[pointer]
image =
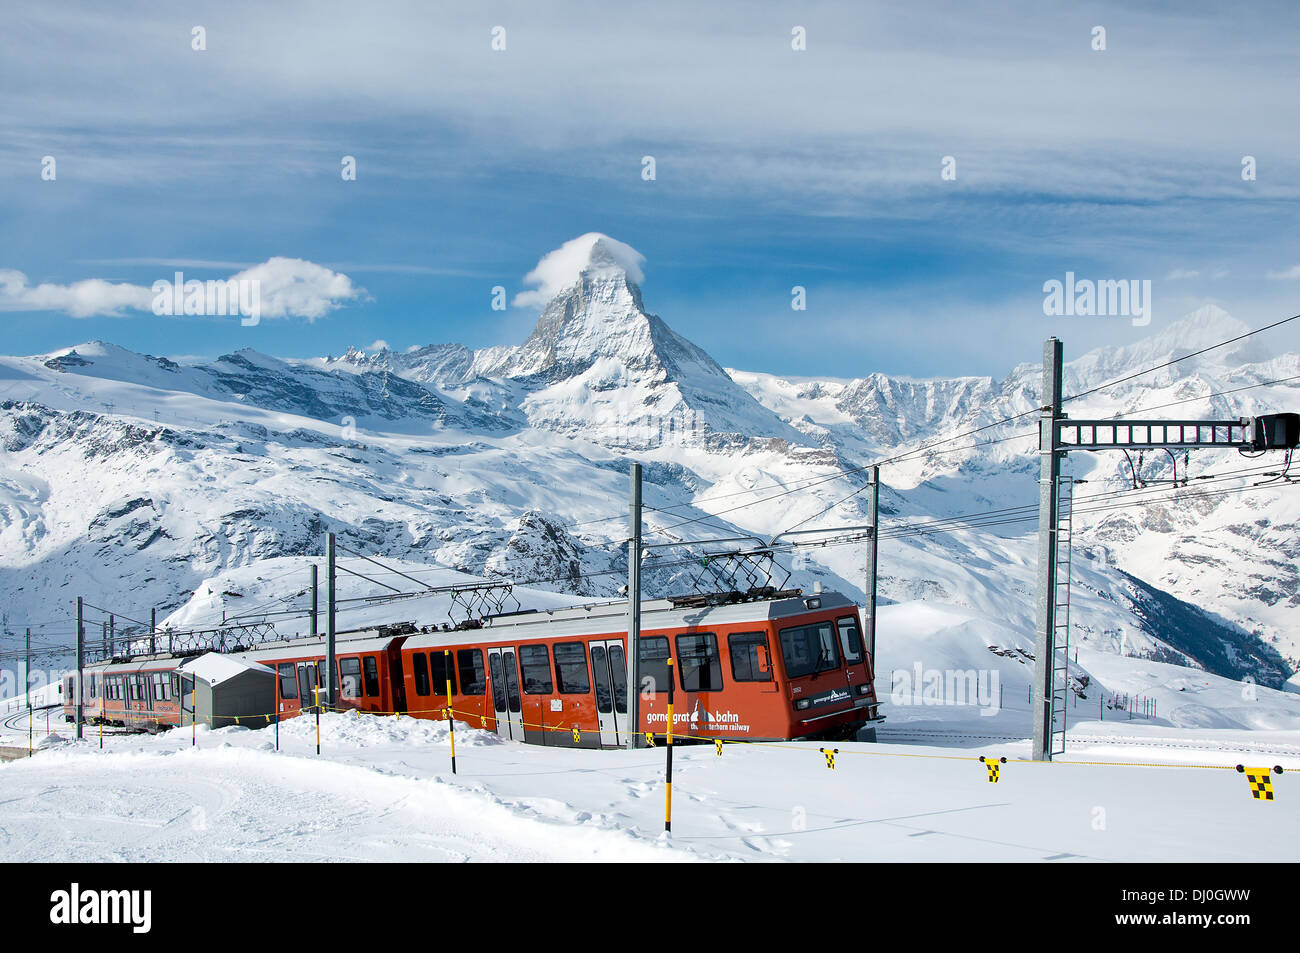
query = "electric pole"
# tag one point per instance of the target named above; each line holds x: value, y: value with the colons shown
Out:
x: 634, y: 611
x: 315, y: 616
x: 869, y: 599
x: 81, y: 661
x: 330, y: 662
x: 1048, y: 510
x: 869, y: 603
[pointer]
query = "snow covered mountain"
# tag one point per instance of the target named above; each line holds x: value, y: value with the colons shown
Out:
x: 137, y: 482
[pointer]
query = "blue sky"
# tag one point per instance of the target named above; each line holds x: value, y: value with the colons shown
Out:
x: 774, y: 168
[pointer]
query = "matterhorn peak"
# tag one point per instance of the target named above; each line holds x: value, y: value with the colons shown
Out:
x: 587, y: 256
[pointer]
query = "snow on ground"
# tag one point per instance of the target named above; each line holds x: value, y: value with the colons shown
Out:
x: 382, y: 790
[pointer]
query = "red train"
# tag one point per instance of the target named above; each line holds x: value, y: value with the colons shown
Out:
x: 787, y: 667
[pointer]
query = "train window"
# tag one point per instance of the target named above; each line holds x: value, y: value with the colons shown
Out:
x: 701, y: 667
x: 618, y: 668
x: 176, y: 684
x: 288, y: 681
x: 93, y: 682
x: 473, y: 680
x: 571, y: 676
x: 809, y: 649
x: 747, y: 663
x: 498, y: 682
x: 134, y: 685
x: 850, y: 639
x: 420, y: 670
x: 535, y: 663
x: 350, y: 669
x: 654, y: 661
x: 512, y: 680
x: 371, y: 668
x: 600, y: 665
x: 440, y: 670
x: 161, y: 684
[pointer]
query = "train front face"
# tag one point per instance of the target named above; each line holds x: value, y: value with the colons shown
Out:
x: 829, y: 680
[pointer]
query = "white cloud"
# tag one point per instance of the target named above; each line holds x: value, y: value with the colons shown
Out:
x: 1287, y: 273
x: 289, y: 287
x: 558, y: 270
x: 379, y: 345
x: 294, y: 287
x: 92, y: 297
x: 1179, y: 274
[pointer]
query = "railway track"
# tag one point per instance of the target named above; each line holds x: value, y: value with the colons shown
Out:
x: 18, y: 721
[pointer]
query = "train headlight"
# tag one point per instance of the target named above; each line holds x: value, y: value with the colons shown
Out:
x: 864, y: 688
x: 803, y: 703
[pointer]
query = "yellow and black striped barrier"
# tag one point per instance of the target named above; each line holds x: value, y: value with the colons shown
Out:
x: 830, y: 754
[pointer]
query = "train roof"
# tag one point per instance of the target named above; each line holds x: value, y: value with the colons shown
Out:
x: 611, y: 618
x: 592, y: 619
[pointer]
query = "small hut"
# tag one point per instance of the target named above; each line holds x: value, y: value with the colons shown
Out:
x: 227, y: 691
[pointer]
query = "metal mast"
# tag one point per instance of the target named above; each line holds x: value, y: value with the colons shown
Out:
x: 634, y: 611
x: 1048, y: 512
x: 81, y: 663
x: 330, y: 662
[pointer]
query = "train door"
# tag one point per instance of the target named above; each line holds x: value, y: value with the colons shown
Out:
x: 307, y: 686
x: 396, y: 677
x: 609, y: 670
x: 504, y: 675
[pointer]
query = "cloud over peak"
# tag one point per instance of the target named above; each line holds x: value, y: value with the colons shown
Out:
x: 560, y: 269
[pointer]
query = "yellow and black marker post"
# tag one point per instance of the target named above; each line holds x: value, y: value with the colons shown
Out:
x: 992, y: 765
x: 194, y: 717
x: 451, y: 725
x: 315, y: 692
x: 830, y: 754
x: 668, y: 802
x: 1261, y: 785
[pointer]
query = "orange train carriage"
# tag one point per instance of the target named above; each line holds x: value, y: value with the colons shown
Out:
x: 784, y: 668
x: 140, y: 694
x: 150, y: 693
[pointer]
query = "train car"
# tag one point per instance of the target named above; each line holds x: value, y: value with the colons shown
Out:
x: 141, y: 693
x: 776, y: 669
x: 787, y: 667
x: 368, y: 670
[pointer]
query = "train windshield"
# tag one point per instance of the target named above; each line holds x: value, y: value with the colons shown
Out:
x: 809, y: 649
